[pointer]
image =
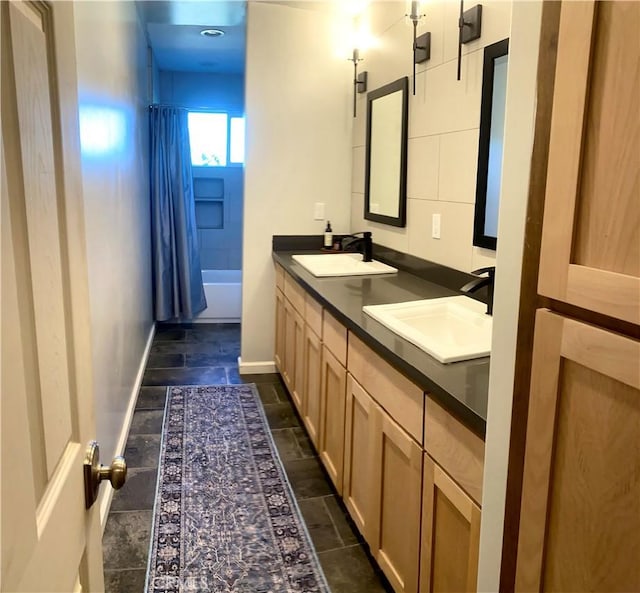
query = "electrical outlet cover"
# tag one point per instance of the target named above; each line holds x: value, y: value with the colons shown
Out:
x: 435, y: 226
x: 318, y: 211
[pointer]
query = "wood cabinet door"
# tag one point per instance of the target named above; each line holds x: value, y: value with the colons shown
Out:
x: 297, y: 391
x: 580, y: 517
x: 312, y: 355
x: 280, y: 331
x: 332, y: 408
x: 590, y: 255
x: 450, y: 534
x: 288, y: 361
x: 293, y: 370
x: 359, y: 442
x: 395, y: 524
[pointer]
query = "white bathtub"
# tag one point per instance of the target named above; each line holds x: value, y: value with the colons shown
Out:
x: 223, y: 289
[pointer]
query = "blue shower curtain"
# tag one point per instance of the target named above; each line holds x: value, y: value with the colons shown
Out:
x: 177, y: 278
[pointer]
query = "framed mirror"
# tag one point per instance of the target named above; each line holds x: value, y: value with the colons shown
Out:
x: 494, y: 92
x: 385, y: 198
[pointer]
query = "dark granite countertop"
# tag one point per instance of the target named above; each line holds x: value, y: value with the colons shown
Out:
x: 461, y: 387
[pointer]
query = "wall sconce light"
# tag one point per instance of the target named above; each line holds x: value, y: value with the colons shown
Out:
x: 359, y: 80
x: 470, y: 27
x: 422, y: 44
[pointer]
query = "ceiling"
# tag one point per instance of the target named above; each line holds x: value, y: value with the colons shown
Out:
x: 173, y: 29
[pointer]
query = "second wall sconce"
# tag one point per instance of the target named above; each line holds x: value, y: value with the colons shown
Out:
x: 359, y: 80
x: 422, y: 44
x: 469, y: 27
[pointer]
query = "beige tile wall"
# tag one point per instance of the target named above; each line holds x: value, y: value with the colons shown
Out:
x: 444, y: 118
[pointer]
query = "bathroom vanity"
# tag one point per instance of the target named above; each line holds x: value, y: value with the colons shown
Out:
x: 400, y: 434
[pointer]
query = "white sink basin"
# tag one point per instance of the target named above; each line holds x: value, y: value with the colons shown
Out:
x: 341, y: 264
x: 450, y: 329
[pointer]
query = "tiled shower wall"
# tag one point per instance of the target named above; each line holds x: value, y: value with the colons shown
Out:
x: 219, y: 206
x: 219, y: 216
x: 444, y: 122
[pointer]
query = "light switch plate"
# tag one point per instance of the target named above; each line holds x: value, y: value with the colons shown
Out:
x: 435, y: 226
x: 318, y: 211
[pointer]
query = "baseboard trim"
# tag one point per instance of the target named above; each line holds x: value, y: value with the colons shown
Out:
x: 256, y: 368
x: 106, y: 494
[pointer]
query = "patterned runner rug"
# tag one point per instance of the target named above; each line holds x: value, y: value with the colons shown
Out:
x: 225, y: 518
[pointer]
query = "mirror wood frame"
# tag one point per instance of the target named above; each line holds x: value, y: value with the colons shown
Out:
x: 399, y: 86
x: 491, y: 54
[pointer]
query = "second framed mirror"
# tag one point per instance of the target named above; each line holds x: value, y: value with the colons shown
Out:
x: 492, y: 113
x: 386, y: 164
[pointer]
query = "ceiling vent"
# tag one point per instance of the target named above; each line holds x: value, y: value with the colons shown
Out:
x: 212, y: 33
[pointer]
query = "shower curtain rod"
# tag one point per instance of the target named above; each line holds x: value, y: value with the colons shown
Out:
x: 193, y: 108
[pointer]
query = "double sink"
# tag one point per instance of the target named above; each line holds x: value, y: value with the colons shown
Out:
x: 450, y: 329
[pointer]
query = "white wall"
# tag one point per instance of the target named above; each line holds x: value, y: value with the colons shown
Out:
x: 297, y: 104
x: 112, y: 87
x: 444, y: 122
x: 518, y: 146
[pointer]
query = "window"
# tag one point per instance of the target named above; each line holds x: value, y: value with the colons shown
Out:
x: 237, y: 140
x: 217, y: 139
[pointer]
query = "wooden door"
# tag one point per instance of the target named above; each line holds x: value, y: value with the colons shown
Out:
x: 312, y: 355
x: 50, y: 542
x: 288, y: 362
x: 450, y: 534
x: 293, y: 341
x: 280, y: 331
x: 580, y: 518
x: 332, y: 408
x: 395, y: 526
x: 359, y: 442
x: 297, y: 392
x: 590, y: 255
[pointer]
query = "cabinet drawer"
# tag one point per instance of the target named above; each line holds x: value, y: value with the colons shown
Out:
x: 280, y: 277
x: 402, y: 399
x: 334, y: 336
x: 313, y: 314
x: 294, y: 293
x: 455, y: 448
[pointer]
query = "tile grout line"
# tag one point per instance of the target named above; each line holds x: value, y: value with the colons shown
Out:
x: 340, y: 548
x: 335, y: 527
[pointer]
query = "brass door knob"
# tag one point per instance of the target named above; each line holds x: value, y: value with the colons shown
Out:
x: 116, y: 473
x: 94, y: 473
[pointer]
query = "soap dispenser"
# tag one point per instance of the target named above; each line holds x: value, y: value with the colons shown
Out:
x: 328, y: 236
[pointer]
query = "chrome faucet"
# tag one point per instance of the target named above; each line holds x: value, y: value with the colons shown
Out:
x: 362, y: 244
x: 481, y: 281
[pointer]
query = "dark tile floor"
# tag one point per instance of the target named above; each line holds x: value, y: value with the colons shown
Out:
x: 207, y: 355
